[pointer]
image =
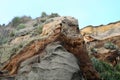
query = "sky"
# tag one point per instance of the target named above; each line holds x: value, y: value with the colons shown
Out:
x: 88, y: 12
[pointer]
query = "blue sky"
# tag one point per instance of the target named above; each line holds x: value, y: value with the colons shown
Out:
x: 88, y: 12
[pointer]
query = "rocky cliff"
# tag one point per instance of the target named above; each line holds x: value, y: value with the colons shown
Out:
x: 26, y: 45
x: 52, y: 48
x: 96, y: 30
x: 103, y: 41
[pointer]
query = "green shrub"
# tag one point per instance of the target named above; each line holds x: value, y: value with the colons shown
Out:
x: 110, y: 75
x: 43, y: 14
x: 15, y: 48
x: 16, y: 21
x: 39, y: 29
x: 53, y: 15
x: 36, y: 24
x: 43, y: 20
x: 117, y: 67
x: 12, y: 33
x: 20, y: 26
x: 101, y: 66
x: 106, y: 71
x: 3, y: 40
x: 110, y: 45
x: 93, y: 50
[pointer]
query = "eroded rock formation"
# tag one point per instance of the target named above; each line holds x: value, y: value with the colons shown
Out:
x: 62, y: 29
x: 55, y: 63
x: 95, y: 30
x: 106, y: 49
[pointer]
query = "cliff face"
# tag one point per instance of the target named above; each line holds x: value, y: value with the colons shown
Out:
x: 51, y: 48
x: 103, y: 42
x: 95, y: 30
x: 103, y: 45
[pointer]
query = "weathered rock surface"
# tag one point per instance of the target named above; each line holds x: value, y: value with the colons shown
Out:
x: 95, y: 30
x: 55, y: 64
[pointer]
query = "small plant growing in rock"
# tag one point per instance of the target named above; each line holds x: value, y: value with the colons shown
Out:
x: 15, y: 21
x: 93, y: 50
x: 43, y: 20
x: 3, y: 40
x: 20, y: 26
x: 53, y: 15
x: 12, y: 33
x: 39, y: 29
x: 43, y: 14
x: 110, y: 45
x: 35, y: 25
